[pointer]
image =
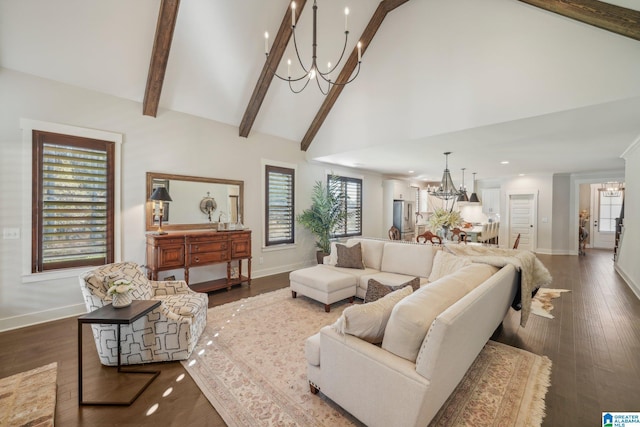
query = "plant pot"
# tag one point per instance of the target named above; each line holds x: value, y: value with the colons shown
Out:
x: 121, y: 300
x: 320, y: 256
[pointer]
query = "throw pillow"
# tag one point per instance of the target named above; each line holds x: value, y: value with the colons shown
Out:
x: 445, y: 263
x: 368, y: 321
x: 376, y: 290
x: 350, y: 257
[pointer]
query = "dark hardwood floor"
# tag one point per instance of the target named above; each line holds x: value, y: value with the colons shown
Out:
x: 593, y: 342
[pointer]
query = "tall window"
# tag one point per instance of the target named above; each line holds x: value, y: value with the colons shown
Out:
x: 610, y: 207
x: 352, y: 188
x: 73, y: 201
x: 279, y: 209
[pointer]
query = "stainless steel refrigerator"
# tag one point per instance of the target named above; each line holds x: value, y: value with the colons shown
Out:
x: 404, y: 218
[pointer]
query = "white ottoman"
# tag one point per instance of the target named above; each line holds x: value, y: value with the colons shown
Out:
x: 323, y: 284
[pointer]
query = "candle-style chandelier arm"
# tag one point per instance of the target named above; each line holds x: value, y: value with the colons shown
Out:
x: 313, y: 72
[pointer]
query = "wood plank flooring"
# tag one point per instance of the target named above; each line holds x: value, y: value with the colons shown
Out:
x: 594, y: 343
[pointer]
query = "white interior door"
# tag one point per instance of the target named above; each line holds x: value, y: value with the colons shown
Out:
x: 522, y: 220
x: 606, y: 209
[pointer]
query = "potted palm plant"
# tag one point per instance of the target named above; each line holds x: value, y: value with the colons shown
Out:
x: 326, y: 213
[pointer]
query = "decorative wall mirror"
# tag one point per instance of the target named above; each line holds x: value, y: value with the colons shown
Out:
x: 197, y: 202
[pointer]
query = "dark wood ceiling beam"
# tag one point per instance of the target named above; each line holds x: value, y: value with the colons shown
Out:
x: 160, y: 56
x: 369, y: 32
x: 617, y: 19
x: 280, y: 42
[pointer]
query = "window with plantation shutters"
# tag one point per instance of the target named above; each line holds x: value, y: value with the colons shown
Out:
x: 73, y: 201
x: 352, y: 188
x: 279, y: 209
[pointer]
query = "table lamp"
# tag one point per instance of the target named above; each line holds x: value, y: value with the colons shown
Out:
x: 160, y: 195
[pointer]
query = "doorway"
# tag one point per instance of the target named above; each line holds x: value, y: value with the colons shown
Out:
x: 606, y: 207
x: 522, y: 214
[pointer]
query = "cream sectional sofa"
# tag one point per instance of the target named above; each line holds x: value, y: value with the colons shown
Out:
x: 426, y: 341
x: 389, y: 262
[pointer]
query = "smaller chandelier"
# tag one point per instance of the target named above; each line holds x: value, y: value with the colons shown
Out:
x: 446, y: 190
x: 313, y: 72
x: 611, y: 189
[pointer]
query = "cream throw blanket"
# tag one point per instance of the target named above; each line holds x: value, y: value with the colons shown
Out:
x: 534, y: 273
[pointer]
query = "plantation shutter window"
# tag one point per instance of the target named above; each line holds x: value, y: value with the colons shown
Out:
x: 73, y: 201
x: 279, y: 221
x: 352, y: 188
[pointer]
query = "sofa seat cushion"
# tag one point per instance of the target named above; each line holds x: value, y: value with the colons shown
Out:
x: 445, y: 263
x: 368, y: 321
x: 411, y: 318
x: 413, y: 260
x: 186, y: 305
x: 312, y: 349
x: 324, y: 278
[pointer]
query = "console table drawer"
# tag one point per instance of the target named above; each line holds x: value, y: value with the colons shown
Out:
x: 207, y: 246
x: 208, y: 258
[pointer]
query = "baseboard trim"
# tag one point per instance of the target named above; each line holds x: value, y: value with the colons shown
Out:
x: 31, y: 319
x: 635, y: 287
x: 281, y: 269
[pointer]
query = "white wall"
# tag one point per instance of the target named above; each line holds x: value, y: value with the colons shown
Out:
x: 171, y: 143
x: 627, y: 264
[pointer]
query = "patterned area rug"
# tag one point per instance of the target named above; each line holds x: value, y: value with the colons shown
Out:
x: 250, y: 364
x: 29, y: 398
x: 541, y: 304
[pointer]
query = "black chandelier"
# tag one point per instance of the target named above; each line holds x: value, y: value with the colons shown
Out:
x: 313, y: 72
x: 446, y: 190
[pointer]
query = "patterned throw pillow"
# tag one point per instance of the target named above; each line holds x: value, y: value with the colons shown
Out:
x: 350, y: 257
x: 376, y: 290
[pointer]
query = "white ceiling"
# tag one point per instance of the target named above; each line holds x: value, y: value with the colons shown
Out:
x: 490, y: 81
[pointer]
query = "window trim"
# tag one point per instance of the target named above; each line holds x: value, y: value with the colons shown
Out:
x: 40, y: 138
x: 344, y: 180
x: 274, y: 165
x: 28, y: 126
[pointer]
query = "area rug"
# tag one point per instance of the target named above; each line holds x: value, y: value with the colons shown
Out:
x: 250, y: 364
x: 29, y: 398
x: 541, y: 304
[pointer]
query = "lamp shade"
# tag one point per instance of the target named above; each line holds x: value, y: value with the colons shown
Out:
x: 474, y: 198
x: 160, y: 194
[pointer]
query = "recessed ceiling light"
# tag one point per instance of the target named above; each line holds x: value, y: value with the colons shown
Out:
x: 411, y: 171
x: 521, y: 174
x: 504, y: 162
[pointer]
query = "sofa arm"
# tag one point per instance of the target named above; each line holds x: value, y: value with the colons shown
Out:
x: 169, y: 287
x: 367, y: 381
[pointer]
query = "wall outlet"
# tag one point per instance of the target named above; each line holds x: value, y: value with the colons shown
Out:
x: 261, y: 260
x: 10, y: 233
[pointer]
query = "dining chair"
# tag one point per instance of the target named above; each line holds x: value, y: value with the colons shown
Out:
x: 458, y: 235
x: 429, y: 237
x: 394, y: 233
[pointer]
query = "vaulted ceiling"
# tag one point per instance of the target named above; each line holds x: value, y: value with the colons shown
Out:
x: 491, y: 81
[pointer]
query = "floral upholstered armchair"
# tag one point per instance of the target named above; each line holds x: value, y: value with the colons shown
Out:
x: 169, y: 332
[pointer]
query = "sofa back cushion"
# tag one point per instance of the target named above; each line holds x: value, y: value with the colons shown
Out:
x: 411, y: 318
x: 445, y: 263
x: 410, y: 259
x: 368, y: 321
x: 371, y: 252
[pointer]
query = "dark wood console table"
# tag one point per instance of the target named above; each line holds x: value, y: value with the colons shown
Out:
x: 196, y: 248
